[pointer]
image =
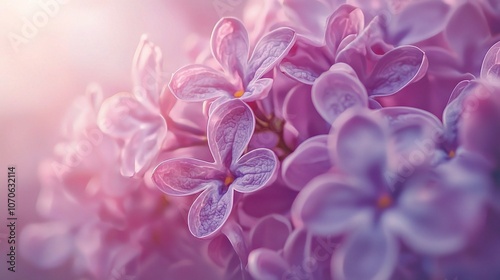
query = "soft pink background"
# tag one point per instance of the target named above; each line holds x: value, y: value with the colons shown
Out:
x: 84, y: 41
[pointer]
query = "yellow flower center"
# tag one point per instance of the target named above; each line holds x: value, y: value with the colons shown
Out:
x: 229, y: 180
x: 239, y: 93
x: 384, y: 201
x: 451, y: 154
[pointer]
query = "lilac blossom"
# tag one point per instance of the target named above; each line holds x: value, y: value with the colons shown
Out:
x: 298, y: 129
x: 452, y: 58
x: 340, y: 88
x: 303, y: 256
x: 281, y: 125
x: 86, y: 152
x: 479, y: 122
x: 310, y: 159
x: 406, y: 27
x: 242, y: 76
x: 314, y: 139
x: 460, y: 36
x: 135, y: 118
x: 464, y: 99
x: 309, y: 18
x: 362, y: 202
x: 308, y: 59
x: 353, y: 47
x: 229, y: 130
x: 266, y: 263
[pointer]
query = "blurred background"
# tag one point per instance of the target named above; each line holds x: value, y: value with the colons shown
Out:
x: 50, y: 50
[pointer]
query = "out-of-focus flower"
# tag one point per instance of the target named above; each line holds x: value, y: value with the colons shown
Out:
x: 408, y: 26
x: 468, y: 94
x: 310, y: 159
x: 229, y: 130
x: 424, y: 209
x: 135, y: 118
x: 266, y: 263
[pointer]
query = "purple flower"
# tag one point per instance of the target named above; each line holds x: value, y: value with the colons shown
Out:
x: 426, y: 209
x: 356, y: 71
x: 242, y: 77
x: 478, y: 129
x: 337, y: 90
x: 408, y: 26
x: 490, y: 69
x: 277, y: 198
x: 270, y: 263
x: 286, y: 121
x: 309, y: 17
x: 468, y: 94
x: 383, y: 71
x: 302, y: 120
x: 340, y: 88
x: 135, y: 118
x: 310, y: 159
x: 307, y: 60
x: 303, y: 256
x: 229, y: 130
x: 470, y: 36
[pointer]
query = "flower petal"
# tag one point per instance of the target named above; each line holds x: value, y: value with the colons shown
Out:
x: 254, y: 170
x: 275, y: 199
x: 270, y: 232
x: 146, y: 72
x: 185, y: 176
x: 415, y: 136
x: 408, y: 27
x: 467, y: 30
x: 198, y: 82
x: 370, y: 253
x: 361, y: 52
x: 121, y: 114
x: 346, y: 20
x: 257, y: 89
x: 210, y: 211
x: 305, y: 62
x: 309, y: 16
x: 264, y: 139
x: 268, y: 52
x: 140, y: 150
x: 234, y: 233
x: 491, y: 59
x: 434, y: 218
x: 220, y: 250
x: 479, y: 128
x: 455, y: 108
x: 230, y: 45
x: 309, y: 160
x: 335, y: 91
x: 48, y: 245
x: 358, y: 142
x: 494, y: 73
x: 267, y: 264
x: 216, y: 103
x: 330, y: 206
x: 301, y: 117
x: 396, y: 69
x: 230, y: 128
x: 297, y: 247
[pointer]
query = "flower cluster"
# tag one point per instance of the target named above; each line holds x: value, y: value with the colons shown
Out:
x: 329, y: 140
